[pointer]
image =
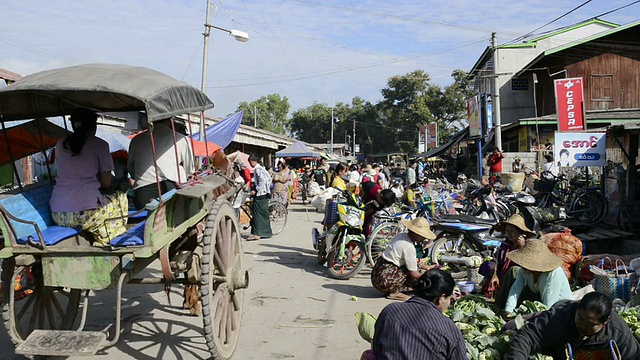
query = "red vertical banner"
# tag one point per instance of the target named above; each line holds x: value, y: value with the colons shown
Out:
x: 569, y: 104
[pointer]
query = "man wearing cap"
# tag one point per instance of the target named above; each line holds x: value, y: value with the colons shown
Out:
x: 398, y: 267
x: 517, y: 165
x: 541, y: 273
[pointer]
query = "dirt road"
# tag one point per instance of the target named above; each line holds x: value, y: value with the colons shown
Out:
x: 292, y: 309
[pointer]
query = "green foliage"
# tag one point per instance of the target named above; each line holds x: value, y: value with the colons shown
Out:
x: 392, y: 125
x: 270, y: 112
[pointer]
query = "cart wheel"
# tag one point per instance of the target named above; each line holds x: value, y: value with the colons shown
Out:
x: 43, y: 307
x: 223, y: 281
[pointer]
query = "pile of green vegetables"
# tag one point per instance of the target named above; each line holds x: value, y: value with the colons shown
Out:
x: 481, y: 326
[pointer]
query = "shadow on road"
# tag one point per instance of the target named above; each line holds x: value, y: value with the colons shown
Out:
x: 365, y: 292
x: 293, y: 261
x: 292, y: 249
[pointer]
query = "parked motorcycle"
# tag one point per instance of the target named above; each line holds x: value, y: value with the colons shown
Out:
x: 342, y: 245
x: 463, y: 241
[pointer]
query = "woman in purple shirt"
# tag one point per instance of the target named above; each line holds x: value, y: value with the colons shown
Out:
x: 84, y: 172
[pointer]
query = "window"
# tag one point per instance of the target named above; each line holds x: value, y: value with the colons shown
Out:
x: 601, y: 87
x: 519, y: 84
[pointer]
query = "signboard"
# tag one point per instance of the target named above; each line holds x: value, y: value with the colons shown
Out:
x: 523, y: 139
x: 569, y: 104
x: 473, y: 114
x: 580, y: 149
x: 488, y: 115
x: 432, y: 135
x: 422, y: 142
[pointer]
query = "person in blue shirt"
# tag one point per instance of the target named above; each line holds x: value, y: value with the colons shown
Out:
x: 540, y: 272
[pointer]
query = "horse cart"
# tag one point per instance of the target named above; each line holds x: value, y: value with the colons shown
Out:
x: 192, y: 230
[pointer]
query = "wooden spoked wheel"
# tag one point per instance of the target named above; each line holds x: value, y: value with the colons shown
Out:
x: 223, y: 281
x: 44, y: 308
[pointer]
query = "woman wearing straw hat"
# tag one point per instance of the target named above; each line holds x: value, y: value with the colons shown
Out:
x: 397, y: 269
x: 541, y: 273
x: 501, y: 272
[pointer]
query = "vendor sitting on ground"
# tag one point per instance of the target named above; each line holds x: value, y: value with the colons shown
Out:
x: 583, y: 324
x: 499, y: 273
x: 417, y: 329
x: 541, y: 272
x: 396, y: 270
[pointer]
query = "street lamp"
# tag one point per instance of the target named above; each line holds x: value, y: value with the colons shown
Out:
x: 237, y: 34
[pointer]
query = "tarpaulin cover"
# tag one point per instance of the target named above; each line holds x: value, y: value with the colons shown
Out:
x: 100, y: 87
x: 200, y: 149
x: 297, y: 149
x: 223, y: 132
x: 24, y: 138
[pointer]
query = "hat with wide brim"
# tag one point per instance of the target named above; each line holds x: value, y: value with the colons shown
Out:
x: 419, y: 226
x: 516, y: 220
x: 535, y: 256
x: 367, y: 168
x: 307, y: 167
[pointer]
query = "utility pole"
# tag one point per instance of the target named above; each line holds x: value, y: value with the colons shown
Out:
x: 205, y: 56
x: 354, y: 137
x: 255, y: 117
x: 497, y: 123
x: 331, y: 145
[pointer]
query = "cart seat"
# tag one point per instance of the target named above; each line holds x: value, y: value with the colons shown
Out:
x: 51, y: 235
x: 26, y: 212
x: 132, y: 237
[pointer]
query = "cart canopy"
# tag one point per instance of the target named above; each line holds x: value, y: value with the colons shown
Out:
x: 100, y: 87
x: 297, y: 149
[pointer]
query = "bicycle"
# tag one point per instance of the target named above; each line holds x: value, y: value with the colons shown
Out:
x: 586, y: 204
x: 278, y: 214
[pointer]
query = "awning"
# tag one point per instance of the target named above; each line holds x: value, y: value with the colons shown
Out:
x: 459, y: 136
x: 297, y: 149
x: 223, y: 132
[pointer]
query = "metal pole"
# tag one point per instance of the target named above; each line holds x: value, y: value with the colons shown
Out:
x: 331, y: 145
x: 205, y: 55
x: 255, y: 117
x: 496, y: 93
x: 354, y: 138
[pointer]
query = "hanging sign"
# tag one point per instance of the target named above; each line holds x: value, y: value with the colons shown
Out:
x: 473, y: 114
x: 569, y: 104
x: 580, y: 149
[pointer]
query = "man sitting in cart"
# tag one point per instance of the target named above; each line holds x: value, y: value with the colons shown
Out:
x: 171, y: 173
x: 84, y: 167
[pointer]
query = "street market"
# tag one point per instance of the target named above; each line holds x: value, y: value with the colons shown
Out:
x: 496, y: 217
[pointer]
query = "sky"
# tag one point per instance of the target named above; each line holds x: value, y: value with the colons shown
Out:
x: 324, y: 51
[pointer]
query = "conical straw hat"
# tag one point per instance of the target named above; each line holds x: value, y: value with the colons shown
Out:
x: 535, y: 256
x: 516, y: 220
x: 420, y: 226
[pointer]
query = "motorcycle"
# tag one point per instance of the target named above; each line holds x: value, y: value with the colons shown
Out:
x: 343, y: 244
x: 463, y: 241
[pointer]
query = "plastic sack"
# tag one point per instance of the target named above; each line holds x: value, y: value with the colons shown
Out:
x: 320, y: 200
x: 567, y: 247
x: 366, y: 325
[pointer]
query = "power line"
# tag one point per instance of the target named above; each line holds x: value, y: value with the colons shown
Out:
x: 551, y: 22
x: 617, y: 9
x: 395, y: 16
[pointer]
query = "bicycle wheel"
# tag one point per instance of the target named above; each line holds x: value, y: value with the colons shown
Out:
x: 542, y: 199
x: 590, y: 207
x: 380, y: 238
x: 277, y: 216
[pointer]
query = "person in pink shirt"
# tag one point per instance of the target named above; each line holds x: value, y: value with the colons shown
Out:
x: 84, y: 175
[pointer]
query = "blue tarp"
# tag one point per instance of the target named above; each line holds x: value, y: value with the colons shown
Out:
x: 223, y: 132
x: 297, y: 149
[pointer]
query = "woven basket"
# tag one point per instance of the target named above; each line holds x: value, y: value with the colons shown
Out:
x: 516, y: 178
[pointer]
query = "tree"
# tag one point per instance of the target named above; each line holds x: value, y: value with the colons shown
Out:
x: 270, y: 111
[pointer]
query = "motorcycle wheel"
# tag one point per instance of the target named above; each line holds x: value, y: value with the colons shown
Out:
x: 354, y: 260
x: 446, y: 245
